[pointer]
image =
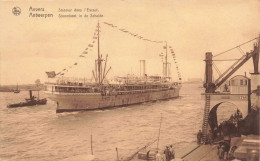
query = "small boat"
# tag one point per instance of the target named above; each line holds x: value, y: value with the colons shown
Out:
x: 29, y: 102
x: 17, y: 90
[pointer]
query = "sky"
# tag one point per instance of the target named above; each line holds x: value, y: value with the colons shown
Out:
x: 31, y: 46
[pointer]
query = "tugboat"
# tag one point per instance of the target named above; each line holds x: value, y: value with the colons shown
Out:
x: 29, y: 102
x: 17, y: 90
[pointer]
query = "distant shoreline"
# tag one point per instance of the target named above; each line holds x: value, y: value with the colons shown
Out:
x: 24, y: 87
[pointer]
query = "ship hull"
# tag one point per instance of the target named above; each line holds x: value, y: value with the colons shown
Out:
x: 68, y: 102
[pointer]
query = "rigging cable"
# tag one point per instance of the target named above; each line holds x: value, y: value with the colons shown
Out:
x: 216, y: 68
x: 235, y: 47
x: 82, y: 55
x: 241, y: 51
x: 145, y: 39
x: 226, y: 60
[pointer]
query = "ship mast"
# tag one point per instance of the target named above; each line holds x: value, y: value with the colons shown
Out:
x: 165, y: 62
x: 100, y: 73
x: 166, y: 57
x: 99, y: 59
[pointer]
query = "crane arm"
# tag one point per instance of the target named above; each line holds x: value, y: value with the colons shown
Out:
x: 253, y: 54
x: 235, y: 68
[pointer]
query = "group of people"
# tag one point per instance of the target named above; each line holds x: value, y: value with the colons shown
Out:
x: 228, y: 127
x: 168, y: 152
x: 209, y: 140
x: 234, y: 118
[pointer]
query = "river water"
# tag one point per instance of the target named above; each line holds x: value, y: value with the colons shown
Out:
x: 38, y: 133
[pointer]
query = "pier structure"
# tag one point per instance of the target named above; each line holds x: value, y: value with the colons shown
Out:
x: 237, y: 90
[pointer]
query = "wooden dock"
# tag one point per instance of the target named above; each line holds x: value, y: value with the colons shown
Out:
x: 195, y: 152
x: 203, y: 153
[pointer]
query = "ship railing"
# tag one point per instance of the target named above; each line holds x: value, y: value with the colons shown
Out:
x: 137, y: 91
x: 109, y: 91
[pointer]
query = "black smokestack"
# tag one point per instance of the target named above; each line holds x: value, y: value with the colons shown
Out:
x: 30, y: 91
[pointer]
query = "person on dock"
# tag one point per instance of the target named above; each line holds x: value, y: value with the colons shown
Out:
x: 199, y: 137
x: 172, y: 153
x: 147, y: 155
x: 210, y: 137
x: 158, y: 157
x: 167, y: 153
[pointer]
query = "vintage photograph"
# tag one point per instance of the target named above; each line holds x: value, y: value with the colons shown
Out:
x: 129, y: 80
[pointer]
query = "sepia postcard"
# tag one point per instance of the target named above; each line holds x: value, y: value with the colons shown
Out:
x: 129, y: 80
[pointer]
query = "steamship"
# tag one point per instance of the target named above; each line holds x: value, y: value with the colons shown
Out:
x: 122, y: 91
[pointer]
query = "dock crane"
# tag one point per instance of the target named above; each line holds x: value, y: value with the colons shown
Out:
x: 212, y: 86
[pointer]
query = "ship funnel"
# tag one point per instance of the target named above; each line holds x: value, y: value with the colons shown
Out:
x: 30, y: 92
x: 142, y: 68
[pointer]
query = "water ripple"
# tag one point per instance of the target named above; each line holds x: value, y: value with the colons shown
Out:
x: 38, y: 133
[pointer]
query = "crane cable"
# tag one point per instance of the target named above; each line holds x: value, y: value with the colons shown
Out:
x: 216, y: 68
x: 234, y: 47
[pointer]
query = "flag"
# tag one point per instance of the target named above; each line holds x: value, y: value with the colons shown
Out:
x: 75, y: 63
x: 85, y: 52
x: 51, y: 74
x: 90, y: 45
